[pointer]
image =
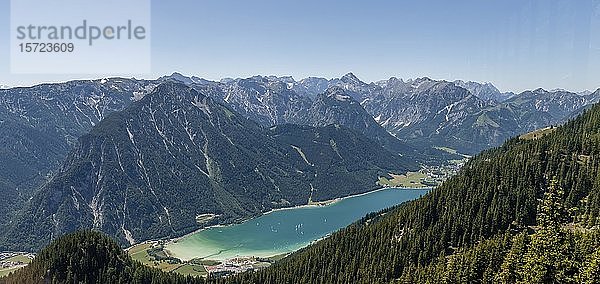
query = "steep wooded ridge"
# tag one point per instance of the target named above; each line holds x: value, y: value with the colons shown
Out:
x: 39, y: 125
x: 149, y: 170
x: 526, y: 212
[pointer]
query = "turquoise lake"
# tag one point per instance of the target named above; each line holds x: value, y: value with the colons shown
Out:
x: 284, y: 231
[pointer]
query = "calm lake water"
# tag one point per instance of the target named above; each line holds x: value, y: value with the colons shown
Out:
x: 286, y: 230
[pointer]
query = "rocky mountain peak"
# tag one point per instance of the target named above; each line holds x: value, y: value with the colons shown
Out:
x: 351, y: 78
x: 485, y: 91
x: 338, y: 93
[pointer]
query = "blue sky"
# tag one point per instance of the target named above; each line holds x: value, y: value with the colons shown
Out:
x: 515, y: 44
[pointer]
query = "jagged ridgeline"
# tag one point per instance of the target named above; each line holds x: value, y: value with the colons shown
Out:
x: 149, y: 170
x: 468, y: 226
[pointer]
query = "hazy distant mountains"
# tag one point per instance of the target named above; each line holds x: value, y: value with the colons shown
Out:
x: 484, y: 91
x: 445, y: 114
x: 274, y: 100
x: 466, y: 116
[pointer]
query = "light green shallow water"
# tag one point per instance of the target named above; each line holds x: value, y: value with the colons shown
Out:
x: 287, y: 230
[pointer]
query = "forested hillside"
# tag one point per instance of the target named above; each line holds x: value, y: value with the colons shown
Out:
x: 492, y: 210
x: 40, y: 124
x: 90, y: 257
x: 554, y: 251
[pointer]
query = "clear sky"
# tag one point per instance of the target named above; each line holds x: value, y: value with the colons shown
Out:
x: 515, y: 44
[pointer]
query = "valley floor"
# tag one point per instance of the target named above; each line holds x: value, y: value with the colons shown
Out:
x: 427, y: 176
x: 11, y: 261
x: 154, y: 254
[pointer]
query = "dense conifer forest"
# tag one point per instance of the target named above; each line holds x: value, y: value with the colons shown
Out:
x: 89, y: 257
x: 497, y: 220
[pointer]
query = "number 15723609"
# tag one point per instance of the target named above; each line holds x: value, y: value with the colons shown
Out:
x: 43, y: 47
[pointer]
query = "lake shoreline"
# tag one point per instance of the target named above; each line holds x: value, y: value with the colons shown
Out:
x: 338, y: 199
x: 316, y: 204
x: 321, y: 204
x: 326, y: 202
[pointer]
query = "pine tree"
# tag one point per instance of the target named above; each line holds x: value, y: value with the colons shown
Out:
x: 549, y: 256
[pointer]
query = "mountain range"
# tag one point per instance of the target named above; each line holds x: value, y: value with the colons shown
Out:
x: 466, y: 116
x: 525, y: 212
x: 80, y: 154
x: 149, y: 170
x: 484, y: 91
